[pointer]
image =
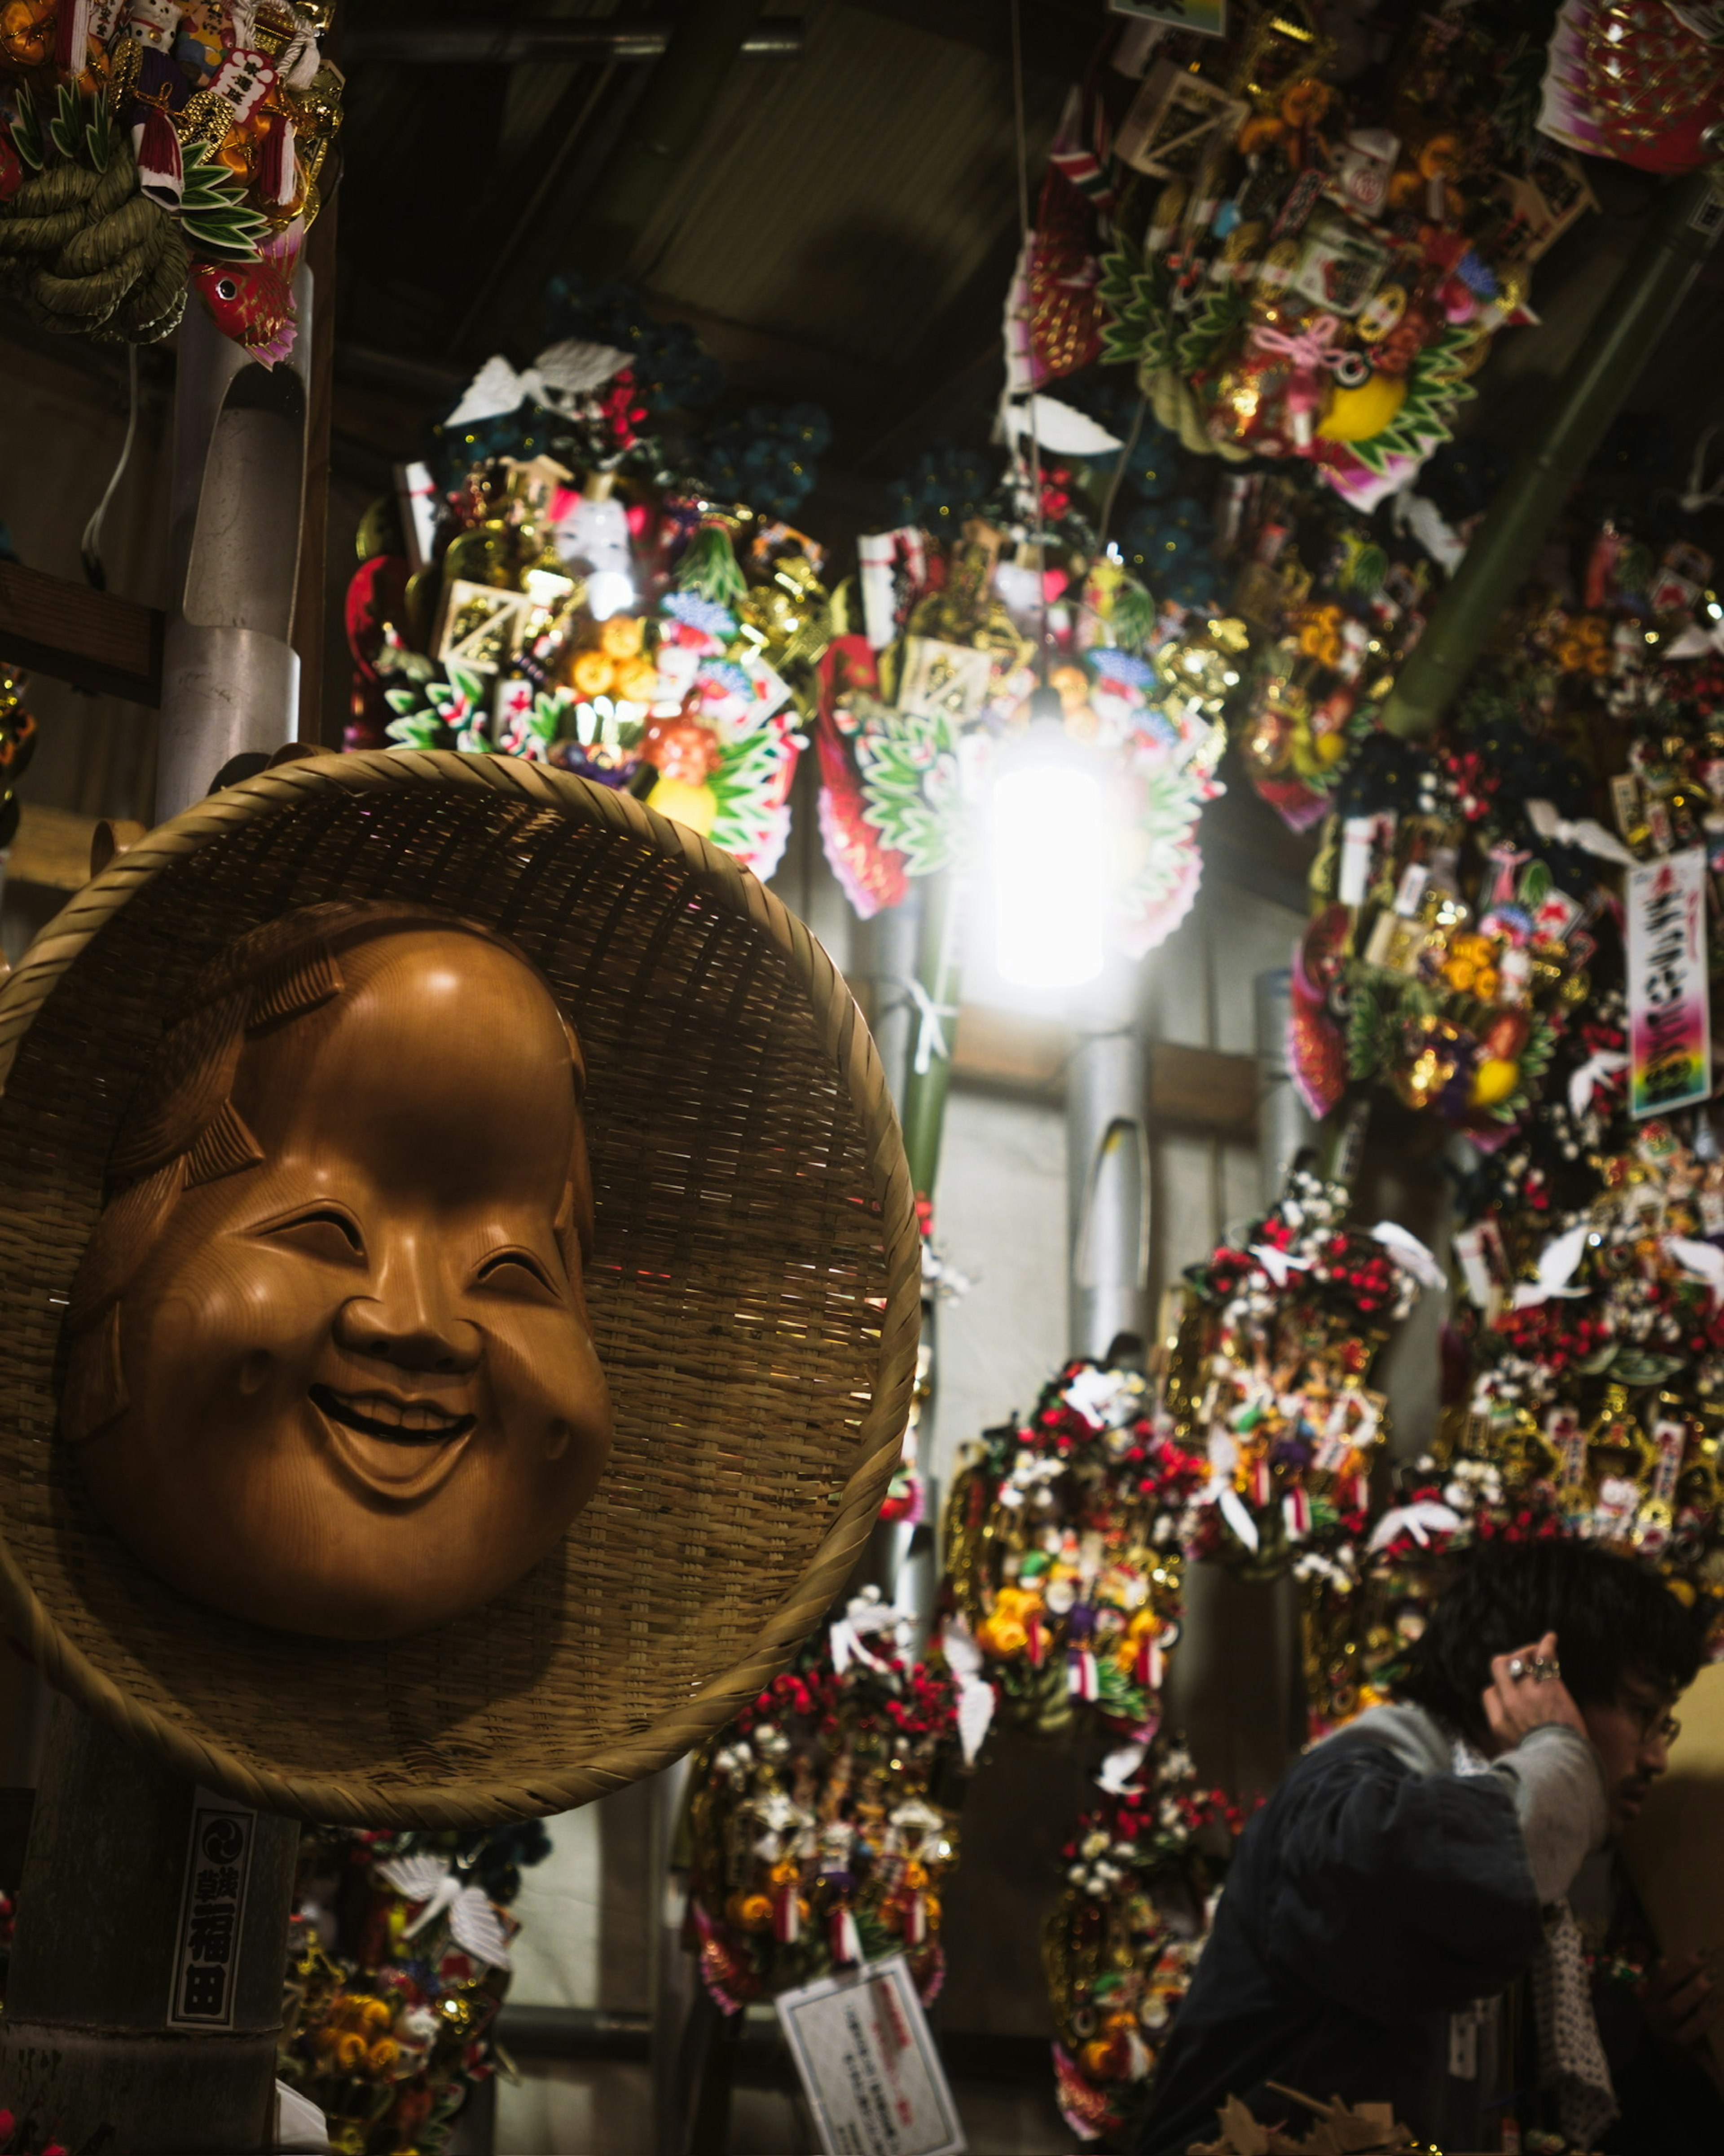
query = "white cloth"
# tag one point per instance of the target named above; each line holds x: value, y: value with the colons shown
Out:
x: 300, y: 2128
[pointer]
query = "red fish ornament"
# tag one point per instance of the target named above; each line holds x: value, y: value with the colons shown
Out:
x: 252, y: 302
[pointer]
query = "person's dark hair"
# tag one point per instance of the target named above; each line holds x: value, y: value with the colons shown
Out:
x: 1617, y: 1623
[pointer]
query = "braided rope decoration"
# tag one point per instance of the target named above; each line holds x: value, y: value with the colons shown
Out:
x: 84, y: 252
x: 453, y: 1801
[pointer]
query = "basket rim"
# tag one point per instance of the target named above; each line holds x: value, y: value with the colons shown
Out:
x: 478, y: 1801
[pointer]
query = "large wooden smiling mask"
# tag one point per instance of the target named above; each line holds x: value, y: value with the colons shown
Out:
x: 331, y: 1368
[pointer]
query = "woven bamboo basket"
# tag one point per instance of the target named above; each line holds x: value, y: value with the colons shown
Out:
x: 753, y: 1291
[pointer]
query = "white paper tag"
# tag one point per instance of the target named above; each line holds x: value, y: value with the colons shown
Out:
x: 868, y: 2068
x: 1464, y: 2044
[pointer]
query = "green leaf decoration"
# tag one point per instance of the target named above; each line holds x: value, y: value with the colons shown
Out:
x: 27, y: 129
x: 1133, y: 617
x: 66, y: 128
x: 99, y: 134
x: 910, y: 787
x: 1535, y: 884
x: 214, y: 214
x: 1371, y: 1025
x: 709, y: 568
x: 421, y: 729
x: 1212, y: 324
x: 748, y: 821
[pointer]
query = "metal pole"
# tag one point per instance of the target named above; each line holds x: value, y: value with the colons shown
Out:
x: 1636, y: 312
x: 1107, y: 1170
x: 1285, y: 1126
x: 230, y: 678
x: 674, y: 107
x: 479, y: 41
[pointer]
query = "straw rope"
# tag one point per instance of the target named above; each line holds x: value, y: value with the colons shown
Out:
x: 451, y: 1799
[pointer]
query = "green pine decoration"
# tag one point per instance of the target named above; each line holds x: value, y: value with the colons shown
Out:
x: 65, y: 129
x: 214, y: 215
x: 708, y: 568
x: 99, y: 134
x: 1215, y: 323
x: 27, y: 129
x: 1133, y: 617
x: 445, y: 714
x: 1136, y: 299
x: 742, y: 787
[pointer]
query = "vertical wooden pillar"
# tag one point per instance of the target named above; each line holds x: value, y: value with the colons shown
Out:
x: 89, y: 2053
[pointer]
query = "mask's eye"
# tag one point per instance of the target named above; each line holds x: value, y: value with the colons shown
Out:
x: 328, y: 1232
x: 517, y: 1272
x: 227, y: 289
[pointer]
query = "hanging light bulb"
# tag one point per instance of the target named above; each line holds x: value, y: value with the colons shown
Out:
x: 1050, y: 881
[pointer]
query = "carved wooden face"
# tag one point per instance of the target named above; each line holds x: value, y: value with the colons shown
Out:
x: 360, y: 1391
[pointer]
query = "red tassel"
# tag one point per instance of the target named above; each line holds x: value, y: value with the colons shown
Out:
x: 1080, y: 1678
x: 1035, y: 1641
x: 162, y: 173
x: 1295, y: 1510
x: 1149, y: 1663
x: 1262, y: 1487
x: 916, y: 1920
x: 787, y: 1916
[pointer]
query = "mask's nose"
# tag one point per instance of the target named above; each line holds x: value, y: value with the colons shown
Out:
x: 410, y: 1322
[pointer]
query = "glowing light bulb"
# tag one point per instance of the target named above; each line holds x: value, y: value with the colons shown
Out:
x: 1050, y: 898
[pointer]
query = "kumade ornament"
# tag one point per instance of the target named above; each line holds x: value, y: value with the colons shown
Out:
x: 149, y: 149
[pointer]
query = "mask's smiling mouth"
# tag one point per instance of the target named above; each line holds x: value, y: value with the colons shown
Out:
x: 399, y: 1422
x: 397, y: 1449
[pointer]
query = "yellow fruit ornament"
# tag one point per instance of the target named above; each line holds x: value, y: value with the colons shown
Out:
x: 1355, y: 415
x: 1493, y: 1080
x: 695, y: 806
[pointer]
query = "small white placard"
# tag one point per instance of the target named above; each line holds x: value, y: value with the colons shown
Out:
x: 868, y: 2068
x: 211, y: 1913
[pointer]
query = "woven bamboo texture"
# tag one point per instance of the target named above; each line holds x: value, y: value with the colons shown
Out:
x: 754, y: 1294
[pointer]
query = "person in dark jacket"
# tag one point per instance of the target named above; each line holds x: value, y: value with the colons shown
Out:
x: 1396, y: 1926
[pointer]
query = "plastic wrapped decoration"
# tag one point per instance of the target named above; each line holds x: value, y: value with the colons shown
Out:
x: 1267, y: 1366
x: 398, y: 1963
x: 1064, y: 1536
x: 1313, y: 270
x: 1450, y: 938
x: 152, y: 147
x: 816, y: 1842
x: 1143, y: 1872
x: 625, y: 642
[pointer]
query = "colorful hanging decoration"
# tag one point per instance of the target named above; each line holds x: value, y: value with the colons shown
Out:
x: 1064, y: 1539
x: 817, y: 1840
x: 398, y: 1963
x: 1143, y: 1872
x: 1270, y: 1351
x: 1315, y: 269
x: 914, y: 713
x: 1639, y: 81
x: 587, y: 615
x: 149, y: 148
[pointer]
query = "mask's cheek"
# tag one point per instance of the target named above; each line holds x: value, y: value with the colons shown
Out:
x: 548, y: 1395
x: 225, y: 1340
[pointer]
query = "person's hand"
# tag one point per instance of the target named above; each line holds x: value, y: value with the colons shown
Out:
x: 1681, y: 2000
x: 1526, y: 1692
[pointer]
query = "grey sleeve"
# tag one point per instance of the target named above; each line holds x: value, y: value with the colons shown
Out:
x: 1559, y: 1801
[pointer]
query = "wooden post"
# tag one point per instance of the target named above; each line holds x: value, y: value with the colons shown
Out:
x: 89, y: 2055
